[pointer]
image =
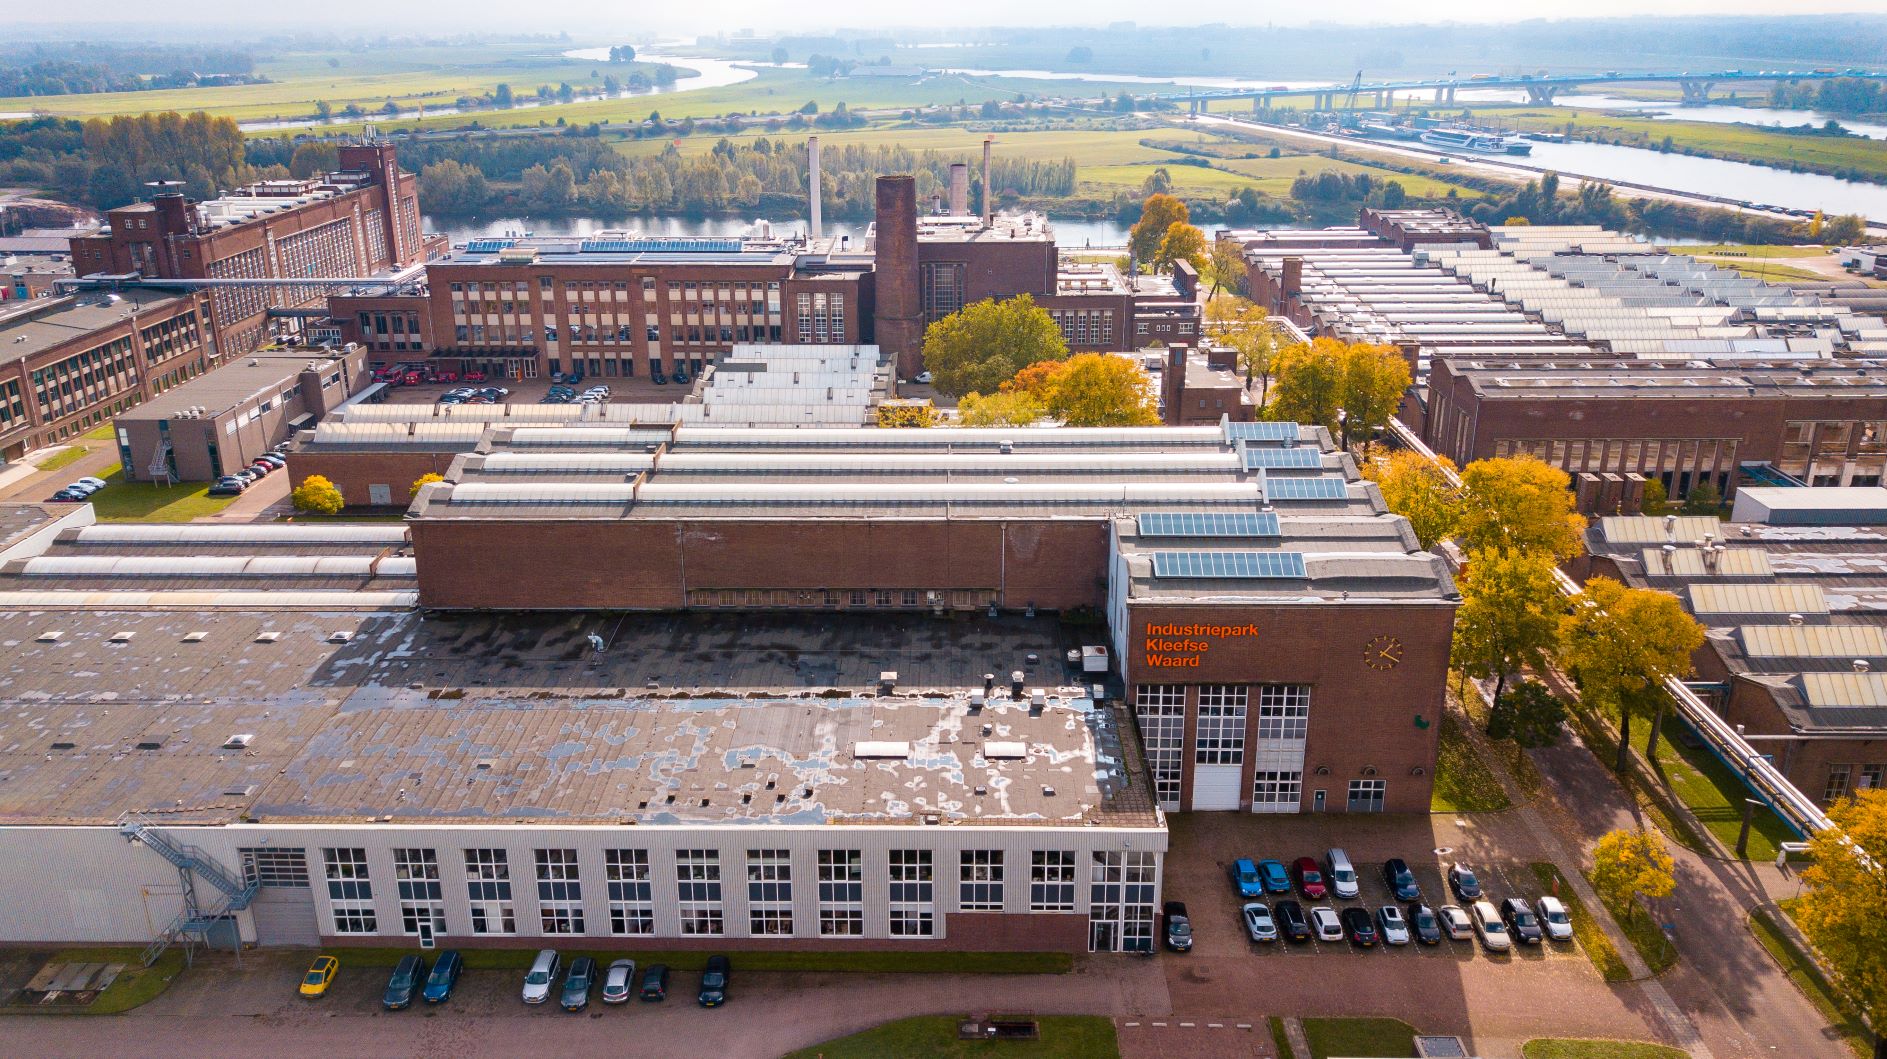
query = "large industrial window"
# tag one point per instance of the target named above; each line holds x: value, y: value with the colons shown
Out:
x: 942, y: 289
x: 1283, y: 711
x: 1839, y: 783
x: 980, y: 888
x: 1276, y: 791
x: 1161, y: 711
x: 631, y: 900
x: 841, y: 893
x: 488, y: 885
x: 913, y: 898
x: 1221, y: 735
x: 698, y: 879
x: 1120, y: 901
x: 1366, y: 796
x: 1052, y: 880
x: 559, y: 891
x: 422, y: 904
x: 350, y: 891
x: 272, y: 868
x: 769, y: 892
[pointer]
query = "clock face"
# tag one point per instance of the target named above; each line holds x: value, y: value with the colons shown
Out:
x: 1384, y: 652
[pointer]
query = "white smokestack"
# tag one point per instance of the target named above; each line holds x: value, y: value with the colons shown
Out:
x: 812, y: 166
x: 988, y: 196
x: 959, y: 189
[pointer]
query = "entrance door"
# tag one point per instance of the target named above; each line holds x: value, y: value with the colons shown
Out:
x: 1317, y: 802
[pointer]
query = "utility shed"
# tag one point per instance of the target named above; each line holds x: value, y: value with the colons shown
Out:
x: 1819, y: 506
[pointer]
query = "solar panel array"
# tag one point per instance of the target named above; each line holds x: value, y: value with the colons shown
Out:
x: 1261, y: 432
x: 489, y: 246
x: 661, y: 246
x: 1208, y: 524
x: 1251, y: 565
x: 1283, y: 459
x: 1305, y: 489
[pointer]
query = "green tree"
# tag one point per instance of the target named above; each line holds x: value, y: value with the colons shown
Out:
x: 1309, y: 386
x: 1418, y: 489
x: 313, y: 159
x: 1225, y: 269
x: 1374, y: 380
x: 1182, y: 242
x: 324, y: 109
x: 1349, y: 388
x: 1846, y: 889
x: 1629, y: 864
x: 453, y: 187
x: 318, y: 495
x: 1510, y: 615
x: 1521, y: 504
x: 1655, y: 498
x: 981, y: 346
x: 1014, y: 408
x: 1622, y: 644
x: 1157, y: 214
x: 501, y: 95
x: 422, y: 482
x: 1703, y: 499
x: 1530, y: 715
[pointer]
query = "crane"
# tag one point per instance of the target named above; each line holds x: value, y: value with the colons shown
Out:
x: 1355, y: 87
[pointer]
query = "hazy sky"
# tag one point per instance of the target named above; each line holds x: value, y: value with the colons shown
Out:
x: 581, y: 18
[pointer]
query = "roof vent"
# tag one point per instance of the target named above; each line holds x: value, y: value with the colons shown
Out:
x: 150, y: 744
x: 1795, y: 619
x: 240, y: 790
x: 62, y: 744
x: 268, y: 637
x: 866, y: 749
x: 1005, y: 751
x: 239, y: 741
x: 1047, y: 791
x: 1861, y: 666
x: 340, y: 636
x: 195, y: 637
x: 1005, y: 446
x: 50, y: 636
x: 122, y: 636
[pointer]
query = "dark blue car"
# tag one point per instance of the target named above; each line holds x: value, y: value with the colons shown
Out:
x: 404, y: 983
x: 1395, y: 872
x: 445, y: 975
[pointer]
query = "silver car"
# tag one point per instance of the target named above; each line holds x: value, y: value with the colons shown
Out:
x: 1258, y: 922
x: 1493, y: 932
x: 1395, y: 929
x: 1559, y: 925
x: 1455, y: 922
x: 1323, y: 920
x: 618, y: 981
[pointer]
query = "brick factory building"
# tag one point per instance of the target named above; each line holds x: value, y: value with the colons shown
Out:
x: 361, y: 220
x: 67, y: 365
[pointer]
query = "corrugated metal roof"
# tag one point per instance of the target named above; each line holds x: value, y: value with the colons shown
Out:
x: 1813, y: 641
x: 1649, y: 529
x: 1757, y: 599
x: 1690, y: 562
x: 1843, y: 689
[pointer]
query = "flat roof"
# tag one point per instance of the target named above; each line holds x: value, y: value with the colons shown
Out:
x: 233, y: 383
x: 516, y: 719
x: 45, y: 323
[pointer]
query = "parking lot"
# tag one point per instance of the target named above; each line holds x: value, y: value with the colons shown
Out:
x: 639, y: 390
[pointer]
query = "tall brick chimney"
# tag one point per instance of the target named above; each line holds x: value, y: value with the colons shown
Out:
x: 898, y: 322
x: 1290, y: 284
x: 1173, y: 383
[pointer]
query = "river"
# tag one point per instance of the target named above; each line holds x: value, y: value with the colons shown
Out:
x: 1070, y: 235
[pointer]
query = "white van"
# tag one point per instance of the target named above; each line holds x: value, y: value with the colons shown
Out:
x: 1488, y: 925
x: 1342, y: 874
x: 542, y: 976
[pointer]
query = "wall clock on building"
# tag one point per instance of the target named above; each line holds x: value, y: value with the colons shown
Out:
x: 1384, y: 652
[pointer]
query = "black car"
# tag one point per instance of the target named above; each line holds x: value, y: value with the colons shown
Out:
x: 1520, y: 920
x: 407, y: 975
x: 444, y: 976
x: 1395, y: 872
x: 67, y: 496
x: 1360, y: 926
x: 714, y: 982
x: 577, y: 984
x: 227, y: 486
x: 1424, y: 924
x: 654, y: 982
x: 1291, y: 921
x: 1463, y: 883
x: 1178, y: 927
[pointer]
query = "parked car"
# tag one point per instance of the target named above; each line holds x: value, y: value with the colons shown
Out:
x: 660, y: 379
x: 925, y: 377
x: 248, y: 476
x: 1487, y: 924
x: 1276, y: 880
x: 538, y: 979
x: 1553, y: 916
x: 95, y: 483
x: 1395, y: 872
x: 654, y: 982
x: 262, y: 470
x: 225, y: 486
x: 66, y: 496
x: 274, y: 460
x: 1521, y: 922
x: 1455, y: 922
x: 1310, y: 879
x: 82, y: 488
x: 577, y: 984
x: 1463, y: 883
x: 320, y: 976
x: 1178, y: 932
x: 1425, y: 923
x: 444, y: 977
x: 1395, y: 929
x: 407, y: 974
x: 1323, y: 920
x: 1258, y: 922
x: 714, y: 982
x: 1359, y: 926
x: 1290, y: 917
x: 618, y: 980
x: 1245, y: 878
x: 1342, y: 874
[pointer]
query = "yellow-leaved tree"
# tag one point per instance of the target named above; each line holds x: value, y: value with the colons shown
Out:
x: 318, y: 495
x: 982, y: 345
x: 423, y: 481
x: 1157, y: 214
x: 1509, y: 617
x: 1319, y: 380
x: 1418, y: 489
x: 1014, y: 408
x: 1623, y: 644
x: 1092, y: 390
x: 1846, y: 893
x: 1519, y: 503
x: 1182, y: 242
x: 1630, y: 864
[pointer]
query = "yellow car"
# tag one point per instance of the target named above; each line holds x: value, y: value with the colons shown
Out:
x: 320, y: 975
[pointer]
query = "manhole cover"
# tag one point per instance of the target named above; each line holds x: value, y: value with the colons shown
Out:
x: 1443, y: 851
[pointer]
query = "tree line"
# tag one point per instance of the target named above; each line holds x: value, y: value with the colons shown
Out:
x: 58, y: 70
x: 1851, y: 96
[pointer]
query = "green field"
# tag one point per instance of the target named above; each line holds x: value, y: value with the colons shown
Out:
x: 1744, y: 143
x: 935, y: 1037
x: 1561, y: 1048
x: 1359, y: 1037
x: 1463, y: 782
x: 122, y: 501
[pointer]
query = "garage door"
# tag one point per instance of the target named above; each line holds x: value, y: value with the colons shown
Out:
x: 1215, y: 786
x: 285, y: 916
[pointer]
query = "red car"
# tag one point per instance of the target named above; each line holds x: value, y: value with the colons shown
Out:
x: 474, y: 376
x: 1310, y: 878
x: 413, y: 378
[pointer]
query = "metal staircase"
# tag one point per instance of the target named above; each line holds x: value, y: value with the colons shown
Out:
x: 197, y: 918
x: 159, y: 469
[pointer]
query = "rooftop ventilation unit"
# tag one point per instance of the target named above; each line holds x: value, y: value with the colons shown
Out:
x: 239, y: 741
x: 50, y: 636
x: 195, y: 637
x: 880, y: 749
x: 340, y: 636
x: 267, y: 637
x: 122, y: 636
x: 1005, y: 751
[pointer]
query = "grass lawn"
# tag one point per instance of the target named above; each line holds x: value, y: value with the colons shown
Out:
x: 122, y: 501
x: 135, y: 985
x: 1280, y: 1038
x: 1713, y: 793
x: 1520, y: 767
x: 1562, y: 1048
x: 1591, y: 937
x: 1642, y: 930
x: 861, y: 962
x: 1359, y: 1037
x: 68, y: 455
x: 1761, y: 270
x: 1463, y: 782
x: 99, y: 433
x: 1752, y: 250
x: 1062, y: 1037
x: 1808, y: 978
